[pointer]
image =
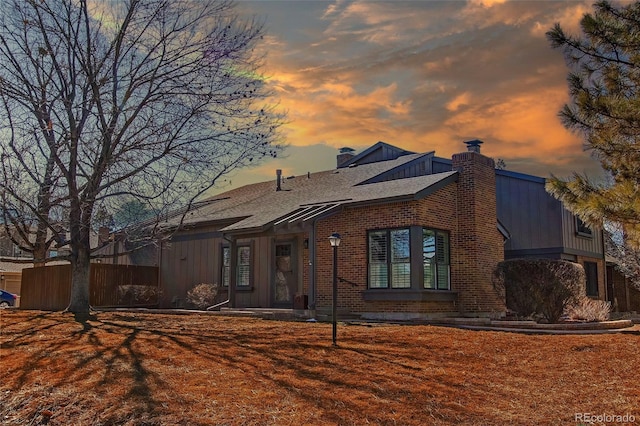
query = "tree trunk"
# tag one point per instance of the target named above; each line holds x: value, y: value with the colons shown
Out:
x: 39, y: 254
x: 80, y: 268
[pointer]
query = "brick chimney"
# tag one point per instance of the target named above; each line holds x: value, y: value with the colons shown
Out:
x: 344, y: 156
x: 479, y: 243
x: 278, y: 180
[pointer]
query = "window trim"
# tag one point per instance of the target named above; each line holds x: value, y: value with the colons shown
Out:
x: 416, y: 266
x: 249, y: 286
x: 437, y: 264
x: 582, y: 229
x: 412, y: 295
x: 389, y: 258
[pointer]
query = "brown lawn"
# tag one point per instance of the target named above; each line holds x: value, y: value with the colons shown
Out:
x: 153, y: 369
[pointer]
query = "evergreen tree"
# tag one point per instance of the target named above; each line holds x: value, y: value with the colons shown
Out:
x: 604, y: 85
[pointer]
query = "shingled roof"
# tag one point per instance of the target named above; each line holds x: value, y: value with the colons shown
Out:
x: 259, y: 206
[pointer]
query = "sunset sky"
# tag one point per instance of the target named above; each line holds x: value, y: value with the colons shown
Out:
x: 422, y: 75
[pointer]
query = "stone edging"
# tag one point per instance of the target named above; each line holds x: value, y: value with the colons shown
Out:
x: 604, y: 325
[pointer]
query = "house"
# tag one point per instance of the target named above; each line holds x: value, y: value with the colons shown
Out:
x: 13, y: 259
x: 624, y: 297
x: 541, y: 227
x: 420, y: 236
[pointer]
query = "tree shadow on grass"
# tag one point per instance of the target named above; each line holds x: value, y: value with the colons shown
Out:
x: 135, y: 362
x: 58, y: 364
x: 83, y: 319
x: 329, y: 385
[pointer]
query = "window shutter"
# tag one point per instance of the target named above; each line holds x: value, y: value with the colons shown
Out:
x: 442, y: 258
x: 442, y: 248
x: 378, y: 247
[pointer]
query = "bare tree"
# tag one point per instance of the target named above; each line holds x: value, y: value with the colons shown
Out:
x: 148, y: 100
x: 624, y: 251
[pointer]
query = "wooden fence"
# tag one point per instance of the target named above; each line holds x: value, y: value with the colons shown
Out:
x: 49, y: 287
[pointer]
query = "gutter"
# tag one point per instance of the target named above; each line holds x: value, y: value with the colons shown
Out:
x: 231, y: 295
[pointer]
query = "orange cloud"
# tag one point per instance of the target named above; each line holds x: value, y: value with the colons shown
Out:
x: 458, y: 101
x: 376, y: 71
x: 524, y: 126
x: 487, y: 3
x: 569, y: 18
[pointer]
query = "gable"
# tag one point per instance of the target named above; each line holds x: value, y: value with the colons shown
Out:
x: 421, y: 166
x: 381, y: 151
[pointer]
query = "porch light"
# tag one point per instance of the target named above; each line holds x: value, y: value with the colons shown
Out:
x: 334, y: 239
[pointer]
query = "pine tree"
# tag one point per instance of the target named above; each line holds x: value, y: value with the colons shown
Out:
x: 604, y: 85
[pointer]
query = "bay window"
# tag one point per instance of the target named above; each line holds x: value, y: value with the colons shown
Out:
x: 408, y: 258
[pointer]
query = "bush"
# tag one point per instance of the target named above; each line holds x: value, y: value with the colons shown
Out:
x: 203, y: 295
x: 540, y: 286
x: 132, y: 295
x: 589, y: 310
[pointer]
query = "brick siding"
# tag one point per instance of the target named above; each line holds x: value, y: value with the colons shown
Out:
x: 466, y: 209
x: 479, y: 241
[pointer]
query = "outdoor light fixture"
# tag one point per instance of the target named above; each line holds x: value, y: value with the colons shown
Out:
x: 334, y: 239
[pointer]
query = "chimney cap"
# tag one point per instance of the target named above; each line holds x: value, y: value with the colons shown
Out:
x: 345, y: 150
x: 473, y: 145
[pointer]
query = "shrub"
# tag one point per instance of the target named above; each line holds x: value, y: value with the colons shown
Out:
x: 589, y: 310
x: 540, y: 286
x: 203, y: 295
x: 132, y: 295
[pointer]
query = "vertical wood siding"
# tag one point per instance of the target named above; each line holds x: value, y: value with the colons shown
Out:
x: 195, y: 257
x: 190, y: 259
x: 572, y: 240
x: 529, y: 213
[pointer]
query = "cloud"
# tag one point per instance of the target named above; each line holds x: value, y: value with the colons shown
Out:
x: 569, y: 17
x: 487, y: 3
x: 459, y: 101
x: 424, y: 75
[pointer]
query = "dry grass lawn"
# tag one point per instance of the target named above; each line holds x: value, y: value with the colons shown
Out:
x: 154, y: 369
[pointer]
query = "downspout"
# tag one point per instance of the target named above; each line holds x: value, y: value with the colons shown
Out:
x: 159, y: 261
x: 210, y: 308
x: 312, y: 270
x: 230, y: 292
x: 604, y: 261
x: 217, y: 305
x: 233, y: 267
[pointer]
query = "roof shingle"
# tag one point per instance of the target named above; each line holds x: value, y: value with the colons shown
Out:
x: 259, y: 205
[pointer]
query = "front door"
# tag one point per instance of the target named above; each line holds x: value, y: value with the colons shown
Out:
x: 285, y: 281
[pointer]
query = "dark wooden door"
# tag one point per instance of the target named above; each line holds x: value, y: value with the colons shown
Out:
x: 285, y: 277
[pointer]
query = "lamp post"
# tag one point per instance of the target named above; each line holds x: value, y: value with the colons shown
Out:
x: 334, y: 239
